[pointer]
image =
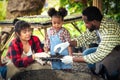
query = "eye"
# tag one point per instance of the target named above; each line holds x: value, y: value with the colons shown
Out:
x: 24, y: 31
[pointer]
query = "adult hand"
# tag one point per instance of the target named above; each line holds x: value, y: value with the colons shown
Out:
x: 62, y: 46
x: 38, y: 56
x: 67, y: 59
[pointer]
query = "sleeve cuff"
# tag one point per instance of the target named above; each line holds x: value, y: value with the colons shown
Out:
x: 77, y: 42
x: 87, y: 60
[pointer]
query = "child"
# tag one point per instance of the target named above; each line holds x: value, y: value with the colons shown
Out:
x: 56, y: 35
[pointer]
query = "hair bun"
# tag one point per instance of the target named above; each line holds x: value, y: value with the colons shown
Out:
x: 62, y: 11
x: 51, y: 12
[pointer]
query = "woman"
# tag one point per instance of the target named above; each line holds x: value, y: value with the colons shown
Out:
x: 21, y: 51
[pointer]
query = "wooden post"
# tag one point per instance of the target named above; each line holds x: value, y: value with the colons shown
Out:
x: 45, y: 31
x: 98, y: 4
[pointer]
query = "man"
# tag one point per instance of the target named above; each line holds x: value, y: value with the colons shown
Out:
x: 97, y: 25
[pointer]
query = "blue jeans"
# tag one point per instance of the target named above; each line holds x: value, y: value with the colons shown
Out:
x: 89, y: 51
x: 3, y: 71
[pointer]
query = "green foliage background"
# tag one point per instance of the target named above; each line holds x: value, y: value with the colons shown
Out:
x: 74, y: 8
x: 3, y: 5
x: 111, y: 9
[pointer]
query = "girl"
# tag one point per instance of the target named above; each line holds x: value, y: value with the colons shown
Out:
x: 56, y: 35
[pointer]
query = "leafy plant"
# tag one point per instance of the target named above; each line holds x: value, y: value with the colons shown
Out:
x: 3, y: 5
x: 112, y: 9
x: 74, y: 8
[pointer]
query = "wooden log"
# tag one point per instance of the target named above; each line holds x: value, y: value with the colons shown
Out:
x: 80, y: 71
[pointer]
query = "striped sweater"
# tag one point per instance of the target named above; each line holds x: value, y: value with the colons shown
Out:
x: 110, y: 37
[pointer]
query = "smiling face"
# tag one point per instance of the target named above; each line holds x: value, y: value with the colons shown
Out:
x: 57, y: 22
x: 91, y: 25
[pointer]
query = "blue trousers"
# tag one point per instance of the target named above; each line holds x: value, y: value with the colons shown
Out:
x: 89, y: 51
x: 3, y: 71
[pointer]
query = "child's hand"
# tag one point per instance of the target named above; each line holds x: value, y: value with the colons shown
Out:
x: 46, y: 49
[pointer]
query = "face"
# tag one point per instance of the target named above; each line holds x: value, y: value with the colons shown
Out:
x: 57, y: 22
x: 89, y: 24
x: 25, y: 34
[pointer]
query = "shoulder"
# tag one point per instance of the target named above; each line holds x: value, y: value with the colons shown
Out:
x: 35, y: 38
x: 15, y: 42
x: 50, y: 29
x: 64, y: 29
x: 108, y: 21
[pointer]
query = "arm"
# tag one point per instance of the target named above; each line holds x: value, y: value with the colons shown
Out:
x: 84, y: 39
x: 73, y: 43
x: 37, y: 47
x: 46, y: 43
x: 79, y: 59
x: 67, y: 38
x: 105, y: 47
x: 70, y: 51
x: 15, y: 52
